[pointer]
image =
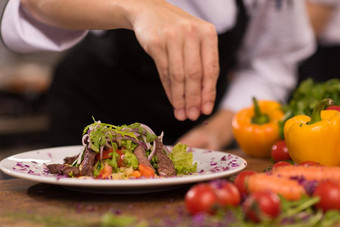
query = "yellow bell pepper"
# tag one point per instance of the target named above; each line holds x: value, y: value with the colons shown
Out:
x: 256, y: 128
x: 315, y: 138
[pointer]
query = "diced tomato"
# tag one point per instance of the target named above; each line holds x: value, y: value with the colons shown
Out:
x: 106, y: 171
x: 120, y: 161
x: 146, y: 171
x: 107, y: 154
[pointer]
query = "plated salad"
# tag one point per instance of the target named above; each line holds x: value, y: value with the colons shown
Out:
x: 125, y: 152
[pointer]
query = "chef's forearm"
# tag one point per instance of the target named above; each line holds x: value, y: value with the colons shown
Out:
x: 82, y: 15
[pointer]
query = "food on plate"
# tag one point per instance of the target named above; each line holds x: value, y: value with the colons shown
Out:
x: 314, y: 138
x: 256, y: 128
x: 123, y: 152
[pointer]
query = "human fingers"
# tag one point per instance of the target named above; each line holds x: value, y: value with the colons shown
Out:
x: 193, y: 73
x: 210, y: 62
x: 176, y: 74
x: 161, y: 62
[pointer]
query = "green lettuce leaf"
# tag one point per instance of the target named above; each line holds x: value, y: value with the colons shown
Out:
x: 182, y: 159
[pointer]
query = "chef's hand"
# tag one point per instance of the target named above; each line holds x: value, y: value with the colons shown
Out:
x: 214, y: 134
x: 185, y: 51
x: 183, y: 47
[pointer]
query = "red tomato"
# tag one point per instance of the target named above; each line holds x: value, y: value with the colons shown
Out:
x: 227, y: 193
x: 309, y: 163
x: 280, y: 151
x: 240, y: 181
x: 329, y: 193
x: 280, y: 164
x: 200, y: 198
x: 107, y: 154
x: 207, y: 197
x: 334, y: 107
x: 120, y: 162
x: 106, y: 172
x: 146, y: 171
x: 262, y: 205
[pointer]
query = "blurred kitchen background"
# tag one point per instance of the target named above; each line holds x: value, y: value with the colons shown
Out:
x: 24, y: 80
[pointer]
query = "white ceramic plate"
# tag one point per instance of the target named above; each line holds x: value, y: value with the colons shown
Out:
x: 31, y: 165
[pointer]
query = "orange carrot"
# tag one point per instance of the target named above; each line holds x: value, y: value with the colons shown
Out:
x: 136, y: 174
x: 317, y: 173
x: 146, y: 171
x: 288, y: 188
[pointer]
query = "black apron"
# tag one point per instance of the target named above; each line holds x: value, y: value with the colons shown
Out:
x: 111, y: 78
x: 323, y: 65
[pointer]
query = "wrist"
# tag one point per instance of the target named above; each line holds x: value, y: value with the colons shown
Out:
x: 220, y: 126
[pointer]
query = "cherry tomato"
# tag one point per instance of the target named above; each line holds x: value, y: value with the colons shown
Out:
x: 207, y: 197
x: 240, y: 180
x: 227, y: 193
x: 334, y: 107
x: 279, y: 151
x: 329, y: 193
x: 262, y: 205
x: 281, y: 164
x: 309, y: 163
x: 201, y: 198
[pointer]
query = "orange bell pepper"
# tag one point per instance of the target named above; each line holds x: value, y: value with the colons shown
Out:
x: 256, y: 128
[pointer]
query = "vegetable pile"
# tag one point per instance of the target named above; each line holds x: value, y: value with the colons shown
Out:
x: 308, y: 94
x: 125, y: 152
x: 314, y: 138
x: 302, y: 188
x: 299, y: 195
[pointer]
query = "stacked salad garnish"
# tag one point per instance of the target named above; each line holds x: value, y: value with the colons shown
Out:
x: 125, y: 152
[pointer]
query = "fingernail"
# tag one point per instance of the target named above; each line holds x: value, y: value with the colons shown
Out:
x: 194, y: 113
x: 207, y: 107
x: 180, y: 114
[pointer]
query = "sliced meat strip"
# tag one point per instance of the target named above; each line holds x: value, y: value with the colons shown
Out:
x: 71, y: 170
x: 165, y: 165
x: 88, y: 162
x: 55, y: 168
x: 141, y: 156
x: 63, y: 169
x: 70, y: 160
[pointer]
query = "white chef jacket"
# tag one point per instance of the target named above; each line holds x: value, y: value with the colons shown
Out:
x: 277, y: 38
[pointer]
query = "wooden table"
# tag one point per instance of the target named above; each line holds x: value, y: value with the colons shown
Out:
x: 25, y: 203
